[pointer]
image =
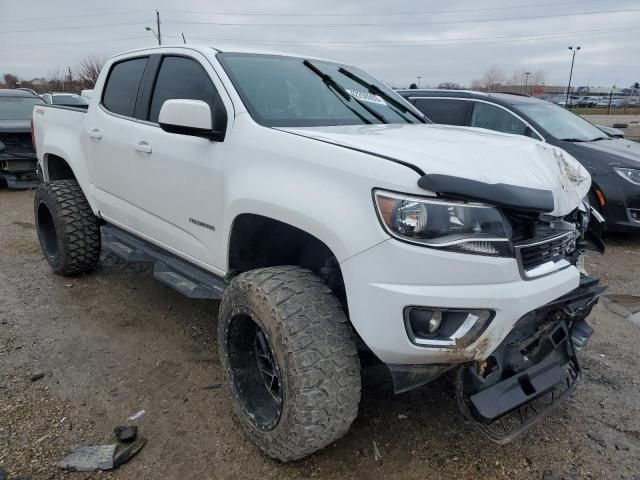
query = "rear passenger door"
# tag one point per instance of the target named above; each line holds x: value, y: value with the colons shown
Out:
x: 178, y: 194
x: 107, y: 141
x: 447, y: 111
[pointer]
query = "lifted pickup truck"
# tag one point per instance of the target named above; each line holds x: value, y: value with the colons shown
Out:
x: 328, y: 217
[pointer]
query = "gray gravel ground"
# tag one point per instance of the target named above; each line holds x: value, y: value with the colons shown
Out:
x: 116, y: 341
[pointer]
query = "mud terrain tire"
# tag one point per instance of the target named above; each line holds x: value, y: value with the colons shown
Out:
x: 68, y: 230
x: 309, y: 341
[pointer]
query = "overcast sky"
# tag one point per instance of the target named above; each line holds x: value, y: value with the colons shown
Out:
x: 396, y: 40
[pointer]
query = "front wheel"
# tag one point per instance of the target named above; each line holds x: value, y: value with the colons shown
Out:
x: 288, y: 352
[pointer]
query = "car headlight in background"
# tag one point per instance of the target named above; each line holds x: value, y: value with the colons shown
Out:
x: 631, y: 174
x: 446, y: 225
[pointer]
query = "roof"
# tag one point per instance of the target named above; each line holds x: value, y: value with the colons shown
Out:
x: 14, y: 92
x: 508, y: 98
x: 228, y: 48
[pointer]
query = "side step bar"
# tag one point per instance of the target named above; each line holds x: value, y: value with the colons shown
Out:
x: 188, y: 279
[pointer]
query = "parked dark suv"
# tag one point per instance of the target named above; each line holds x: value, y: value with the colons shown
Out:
x: 18, y: 160
x: 614, y: 163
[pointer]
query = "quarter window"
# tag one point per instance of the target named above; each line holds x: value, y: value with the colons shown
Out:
x: 495, y: 118
x: 121, y: 91
x: 184, y: 78
x: 447, y: 112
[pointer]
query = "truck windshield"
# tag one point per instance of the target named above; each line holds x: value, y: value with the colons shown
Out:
x: 18, y: 108
x: 284, y: 91
x: 561, y: 123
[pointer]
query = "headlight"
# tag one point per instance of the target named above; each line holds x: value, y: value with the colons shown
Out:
x: 630, y: 174
x: 447, y: 225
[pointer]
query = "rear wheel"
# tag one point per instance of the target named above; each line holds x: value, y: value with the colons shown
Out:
x: 68, y: 230
x: 291, y: 361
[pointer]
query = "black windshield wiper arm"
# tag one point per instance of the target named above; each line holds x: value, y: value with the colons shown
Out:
x: 373, y: 89
x: 330, y: 82
x: 573, y: 140
x: 327, y: 79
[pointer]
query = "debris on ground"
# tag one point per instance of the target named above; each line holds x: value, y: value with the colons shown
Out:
x: 36, y: 376
x: 136, y: 416
x: 89, y: 458
x: 213, y: 386
x: 128, y: 453
x: 622, y: 445
x: 126, y: 433
x: 599, y: 439
x: 376, y: 452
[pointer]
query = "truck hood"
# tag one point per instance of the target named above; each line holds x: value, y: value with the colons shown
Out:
x: 469, y: 153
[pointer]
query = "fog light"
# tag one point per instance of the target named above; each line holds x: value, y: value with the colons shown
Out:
x: 444, y: 327
x: 634, y: 213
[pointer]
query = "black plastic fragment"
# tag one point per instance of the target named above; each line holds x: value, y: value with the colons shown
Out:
x: 36, y: 376
x: 498, y: 194
x: 128, y: 453
x: 126, y: 433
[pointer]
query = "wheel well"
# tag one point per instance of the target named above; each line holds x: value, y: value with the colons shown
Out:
x: 258, y: 242
x: 58, y: 168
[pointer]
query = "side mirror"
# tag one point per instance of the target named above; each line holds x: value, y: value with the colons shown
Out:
x: 188, y: 117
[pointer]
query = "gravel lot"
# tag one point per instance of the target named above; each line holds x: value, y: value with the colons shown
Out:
x: 117, y: 341
x: 632, y: 132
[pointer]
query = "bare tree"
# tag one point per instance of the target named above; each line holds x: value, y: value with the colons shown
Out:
x: 56, y: 81
x: 476, y: 85
x: 10, y: 79
x: 88, y: 70
x: 493, y: 77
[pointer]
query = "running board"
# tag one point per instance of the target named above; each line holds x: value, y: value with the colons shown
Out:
x: 188, y: 279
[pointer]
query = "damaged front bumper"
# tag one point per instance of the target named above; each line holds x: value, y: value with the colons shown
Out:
x: 533, y: 370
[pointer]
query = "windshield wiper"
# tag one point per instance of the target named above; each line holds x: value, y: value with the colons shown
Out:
x: 373, y: 89
x: 331, y: 83
x: 575, y: 140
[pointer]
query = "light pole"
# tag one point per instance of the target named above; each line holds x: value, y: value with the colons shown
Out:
x: 526, y: 81
x: 157, y: 34
x: 573, y: 59
x: 419, y: 78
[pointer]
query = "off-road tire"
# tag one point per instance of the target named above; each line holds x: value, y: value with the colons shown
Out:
x: 312, y: 341
x: 68, y: 231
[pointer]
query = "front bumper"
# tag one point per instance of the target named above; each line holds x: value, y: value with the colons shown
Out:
x: 383, y: 280
x: 532, y: 371
x: 620, y: 197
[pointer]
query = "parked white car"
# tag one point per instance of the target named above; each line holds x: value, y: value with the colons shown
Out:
x: 326, y: 214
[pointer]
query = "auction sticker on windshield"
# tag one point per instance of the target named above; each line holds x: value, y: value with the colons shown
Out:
x: 366, y: 96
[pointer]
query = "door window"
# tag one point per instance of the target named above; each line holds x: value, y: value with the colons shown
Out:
x: 121, y: 90
x: 495, y: 118
x: 184, y: 78
x: 445, y: 111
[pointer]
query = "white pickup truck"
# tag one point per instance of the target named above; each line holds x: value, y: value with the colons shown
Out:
x: 333, y: 222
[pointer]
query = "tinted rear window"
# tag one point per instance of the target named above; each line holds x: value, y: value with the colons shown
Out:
x: 448, y: 112
x: 181, y: 77
x: 121, y: 90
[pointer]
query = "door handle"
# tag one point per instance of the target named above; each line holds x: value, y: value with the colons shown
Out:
x: 95, y: 133
x: 143, y: 147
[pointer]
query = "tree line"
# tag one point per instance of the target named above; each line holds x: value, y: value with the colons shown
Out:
x: 72, y: 79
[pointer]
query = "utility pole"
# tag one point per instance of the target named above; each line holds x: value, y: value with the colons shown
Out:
x: 419, y: 78
x: 573, y: 58
x: 158, y: 26
x: 526, y: 81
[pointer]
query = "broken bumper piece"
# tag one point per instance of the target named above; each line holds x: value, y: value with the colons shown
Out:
x: 533, y: 370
